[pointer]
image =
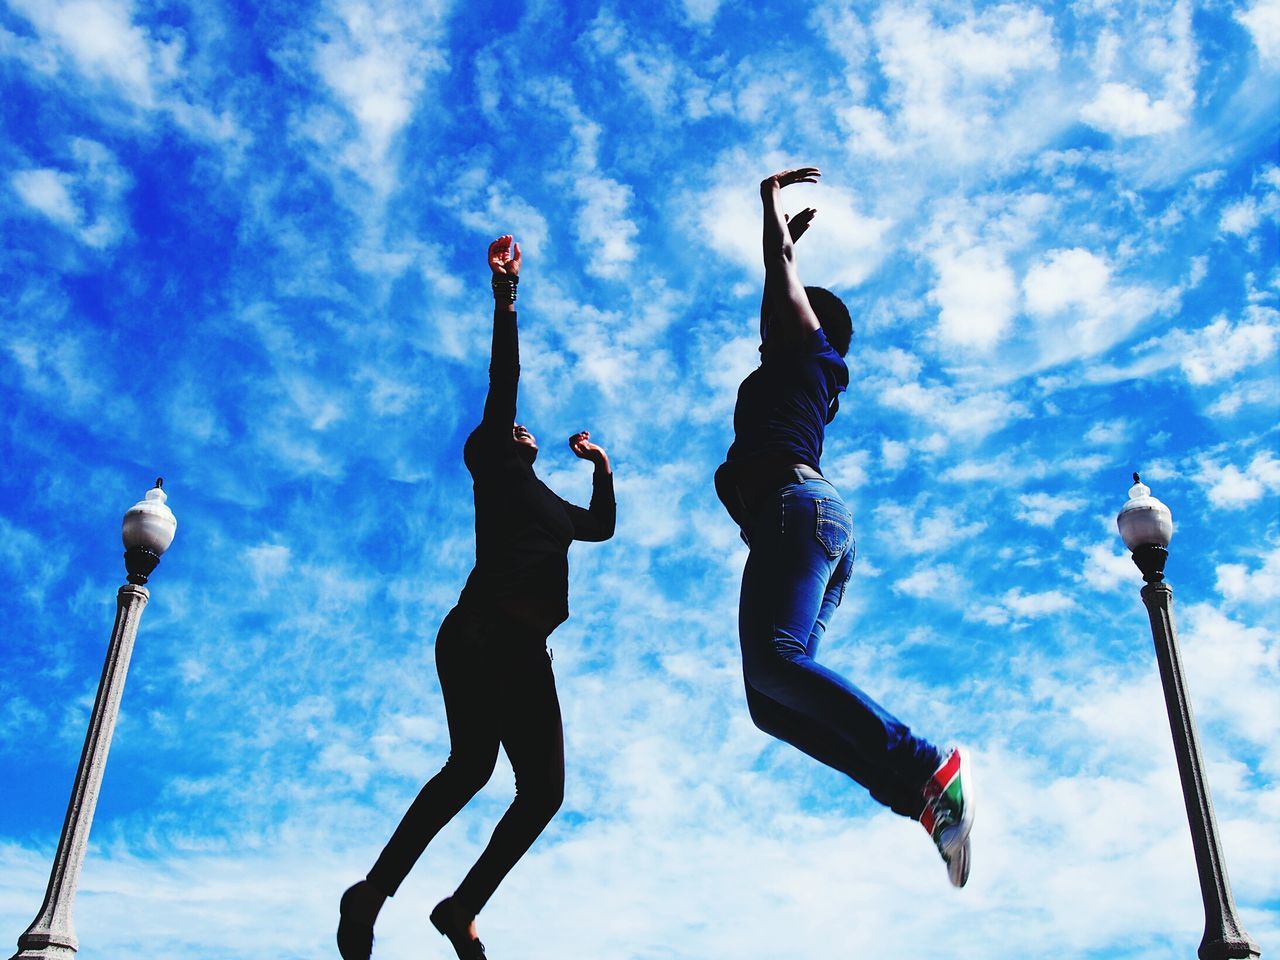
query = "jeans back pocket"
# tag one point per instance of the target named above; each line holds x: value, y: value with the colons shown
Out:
x: 834, y: 526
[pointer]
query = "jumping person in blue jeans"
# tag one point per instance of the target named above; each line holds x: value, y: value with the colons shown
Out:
x: 800, y: 535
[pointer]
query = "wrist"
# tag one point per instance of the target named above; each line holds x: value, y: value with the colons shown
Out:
x: 504, y: 288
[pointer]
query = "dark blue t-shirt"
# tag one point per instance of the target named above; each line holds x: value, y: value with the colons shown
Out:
x: 783, y: 404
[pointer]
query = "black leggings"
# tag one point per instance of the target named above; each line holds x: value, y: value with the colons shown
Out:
x: 498, y: 689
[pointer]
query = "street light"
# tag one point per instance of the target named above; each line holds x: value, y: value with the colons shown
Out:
x: 148, y: 530
x: 1147, y: 526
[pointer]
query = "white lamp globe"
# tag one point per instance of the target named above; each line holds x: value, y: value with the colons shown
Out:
x: 1144, y: 520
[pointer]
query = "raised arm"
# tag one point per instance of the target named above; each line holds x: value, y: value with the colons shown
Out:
x: 796, y: 227
x: 504, y: 361
x: 598, y: 520
x: 785, y: 310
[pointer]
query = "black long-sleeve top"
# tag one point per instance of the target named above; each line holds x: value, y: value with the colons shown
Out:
x: 523, y: 530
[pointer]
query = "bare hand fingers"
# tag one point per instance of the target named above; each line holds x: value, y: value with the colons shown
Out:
x: 803, y: 218
x: 500, y: 253
x: 798, y: 175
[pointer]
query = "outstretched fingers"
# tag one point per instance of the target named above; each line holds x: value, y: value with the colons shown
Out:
x: 799, y: 175
x: 798, y: 224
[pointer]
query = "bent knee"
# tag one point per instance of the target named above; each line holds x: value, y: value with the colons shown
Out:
x: 761, y: 708
x: 469, y: 772
x: 770, y: 675
x: 543, y: 800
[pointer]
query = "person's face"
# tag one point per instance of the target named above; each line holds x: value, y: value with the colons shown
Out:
x: 521, y: 435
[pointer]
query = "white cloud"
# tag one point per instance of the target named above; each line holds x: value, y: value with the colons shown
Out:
x: 1266, y: 391
x: 893, y: 454
x: 1107, y: 571
x: 1214, y: 353
x: 267, y: 563
x: 376, y: 56
x: 947, y: 81
x: 87, y: 202
x: 1077, y: 307
x: 1125, y: 111
x: 1015, y: 606
x: 976, y: 294
x: 1235, y: 669
x: 847, y: 470
x: 700, y: 11
x: 48, y: 191
x: 1156, y: 53
x: 1223, y: 349
x: 1240, y: 218
x: 912, y: 531
x: 1263, y: 22
x: 603, y: 225
x: 1066, y: 278
x: 31, y: 561
x: 1236, y: 582
x: 961, y: 414
x: 895, y: 362
x: 869, y: 129
x: 1109, y: 432
x: 1229, y: 487
x: 606, y: 235
x: 1036, y: 604
x: 942, y: 580
x: 1044, y: 509
x: 102, y: 39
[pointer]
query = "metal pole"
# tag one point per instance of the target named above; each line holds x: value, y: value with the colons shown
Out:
x: 1224, y: 938
x: 51, y: 935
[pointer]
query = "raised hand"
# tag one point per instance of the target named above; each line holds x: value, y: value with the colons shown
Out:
x: 784, y: 178
x: 583, y: 448
x: 798, y: 224
x: 504, y: 256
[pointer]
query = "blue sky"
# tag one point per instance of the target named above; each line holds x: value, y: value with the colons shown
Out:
x: 244, y: 249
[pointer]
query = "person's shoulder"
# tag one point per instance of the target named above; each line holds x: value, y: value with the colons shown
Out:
x: 819, y: 347
x: 482, y: 449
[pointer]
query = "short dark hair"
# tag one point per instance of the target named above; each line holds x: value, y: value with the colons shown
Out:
x: 834, y: 317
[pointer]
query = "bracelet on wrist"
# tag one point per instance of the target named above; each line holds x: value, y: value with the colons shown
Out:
x: 504, y: 287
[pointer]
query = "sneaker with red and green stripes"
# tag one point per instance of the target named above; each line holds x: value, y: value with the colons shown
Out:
x: 948, y: 813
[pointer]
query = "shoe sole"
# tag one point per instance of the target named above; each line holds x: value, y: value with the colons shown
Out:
x: 355, y: 940
x: 474, y: 947
x: 955, y: 840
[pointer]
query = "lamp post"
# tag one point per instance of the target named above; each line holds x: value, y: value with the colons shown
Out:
x: 1147, y: 526
x: 148, y: 530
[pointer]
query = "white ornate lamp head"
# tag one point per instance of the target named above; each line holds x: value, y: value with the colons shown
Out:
x: 1146, y: 525
x: 148, y: 529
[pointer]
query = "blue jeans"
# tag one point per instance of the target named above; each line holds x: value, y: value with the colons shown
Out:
x: 801, y: 556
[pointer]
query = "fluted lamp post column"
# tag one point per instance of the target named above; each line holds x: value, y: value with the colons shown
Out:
x: 148, y: 530
x: 1147, y: 527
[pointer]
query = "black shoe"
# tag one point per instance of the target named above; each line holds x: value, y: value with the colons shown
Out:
x: 445, y: 918
x: 355, y: 936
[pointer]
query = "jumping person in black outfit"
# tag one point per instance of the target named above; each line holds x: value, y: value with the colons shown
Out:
x: 495, y: 672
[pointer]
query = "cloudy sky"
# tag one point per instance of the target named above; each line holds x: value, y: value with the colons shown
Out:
x: 243, y: 248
